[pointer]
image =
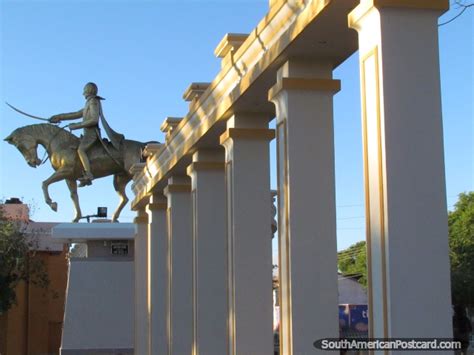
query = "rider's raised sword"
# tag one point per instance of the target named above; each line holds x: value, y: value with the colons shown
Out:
x: 27, y: 114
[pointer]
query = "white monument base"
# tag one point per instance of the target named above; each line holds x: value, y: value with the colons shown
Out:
x: 98, y: 316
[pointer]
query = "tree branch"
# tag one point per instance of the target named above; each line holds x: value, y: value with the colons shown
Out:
x: 464, y: 8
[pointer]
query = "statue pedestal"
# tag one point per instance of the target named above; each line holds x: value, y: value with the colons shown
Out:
x: 98, y: 314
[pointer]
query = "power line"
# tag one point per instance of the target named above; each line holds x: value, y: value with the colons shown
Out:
x: 352, y: 254
x: 343, y: 260
x: 354, y: 205
x: 349, y: 251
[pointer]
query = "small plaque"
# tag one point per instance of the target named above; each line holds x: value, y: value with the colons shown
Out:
x: 119, y: 248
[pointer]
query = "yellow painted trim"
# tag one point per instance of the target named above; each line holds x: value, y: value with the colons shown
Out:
x: 148, y: 286
x: 306, y: 84
x: 361, y: 10
x: 247, y: 133
x: 169, y: 299
x: 195, y: 263
x: 282, y: 332
x: 286, y: 324
x: 157, y: 206
x: 381, y: 200
x: 375, y: 53
x: 370, y: 293
x: 231, y: 324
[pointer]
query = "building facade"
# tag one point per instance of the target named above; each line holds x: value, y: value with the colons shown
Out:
x: 34, y: 325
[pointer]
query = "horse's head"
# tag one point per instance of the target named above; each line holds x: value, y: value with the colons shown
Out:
x: 27, y: 145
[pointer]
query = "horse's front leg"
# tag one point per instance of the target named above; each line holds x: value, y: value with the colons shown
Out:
x: 72, y: 185
x: 57, y: 176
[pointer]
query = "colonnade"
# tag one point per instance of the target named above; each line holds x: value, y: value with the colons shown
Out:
x: 203, y: 262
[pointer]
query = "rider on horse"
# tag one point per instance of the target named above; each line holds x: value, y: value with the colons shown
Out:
x: 91, y: 113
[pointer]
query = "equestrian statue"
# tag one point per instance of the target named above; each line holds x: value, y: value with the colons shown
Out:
x: 80, y: 159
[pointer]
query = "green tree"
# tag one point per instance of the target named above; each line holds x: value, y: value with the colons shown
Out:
x: 461, y: 244
x: 353, y: 262
x: 18, y: 261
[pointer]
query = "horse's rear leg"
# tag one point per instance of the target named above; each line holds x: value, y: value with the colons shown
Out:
x: 72, y: 185
x: 120, y: 182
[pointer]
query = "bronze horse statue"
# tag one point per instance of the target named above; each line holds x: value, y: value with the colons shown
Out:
x: 61, y: 147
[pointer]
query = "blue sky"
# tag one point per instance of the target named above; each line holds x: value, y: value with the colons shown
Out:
x: 143, y: 55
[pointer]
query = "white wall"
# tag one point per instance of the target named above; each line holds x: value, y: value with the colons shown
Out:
x: 99, y: 306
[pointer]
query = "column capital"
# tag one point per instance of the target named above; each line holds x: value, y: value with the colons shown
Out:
x: 177, y: 184
x: 305, y: 84
x: 248, y: 134
x: 177, y: 188
x: 157, y: 206
x: 205, y: 165
x: 141, y: 218
x: 365, y: 6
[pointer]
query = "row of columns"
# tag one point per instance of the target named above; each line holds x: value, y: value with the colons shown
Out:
x: 203, y: 249
x: 204, y: 255
x: 213, y: 294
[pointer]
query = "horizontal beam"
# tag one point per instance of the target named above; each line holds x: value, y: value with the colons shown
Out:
x: 259, y: 55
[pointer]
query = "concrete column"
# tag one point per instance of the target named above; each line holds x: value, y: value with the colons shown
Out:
x: 141, y: 282
x: 407, y: 235
x: 207, y: 173
x: 180, y: 297
x: 157, y: 274
x: 249, y: 250
x: 303, y: 96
